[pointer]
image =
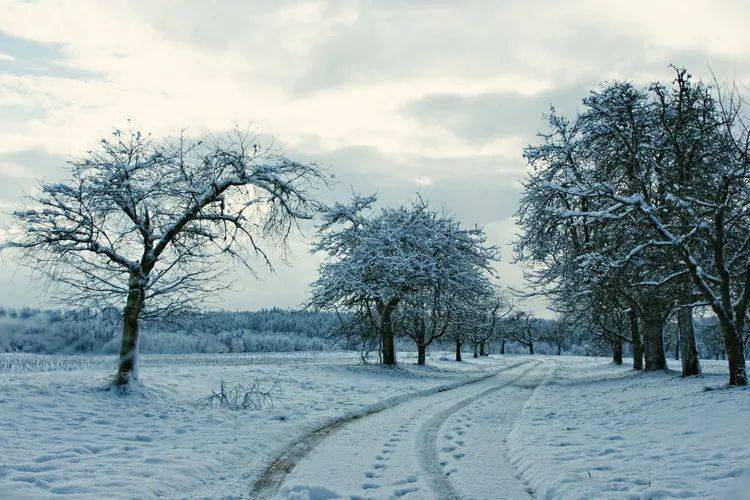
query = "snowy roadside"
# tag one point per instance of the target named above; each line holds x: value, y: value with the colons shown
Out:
x: 61, y: 434
x: 631, y: 435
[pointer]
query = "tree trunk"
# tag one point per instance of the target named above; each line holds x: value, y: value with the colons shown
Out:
x: 476, y: 349
x: 735, y: 354
x: 421, y: 347
x: 482, y: 351
x: 386, y: 329
x: 502, y: 346
x: 458, y: 348
x: 127, y: 369
x: 635, y: 339
x: 690, y: 363
x: 559, y: 349
x: 653, y: 340
x: 531, y: 348
x: 617, y: 351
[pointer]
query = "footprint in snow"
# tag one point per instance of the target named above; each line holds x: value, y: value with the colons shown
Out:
x: 409, y: 479
x: 404, y: 491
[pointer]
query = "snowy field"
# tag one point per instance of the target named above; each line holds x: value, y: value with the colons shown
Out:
x: 553, y: 427
x: 595, y: 430
x: 61, y: 434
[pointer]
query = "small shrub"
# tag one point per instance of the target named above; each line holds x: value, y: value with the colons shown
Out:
x: 254, y: 396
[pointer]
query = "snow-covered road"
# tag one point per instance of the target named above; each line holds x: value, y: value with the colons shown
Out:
x: 445, y: 445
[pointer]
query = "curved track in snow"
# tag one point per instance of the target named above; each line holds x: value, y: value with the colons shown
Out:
x: 392, y: 451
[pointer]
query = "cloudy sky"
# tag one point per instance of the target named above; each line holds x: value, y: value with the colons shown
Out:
x: 394, y: 97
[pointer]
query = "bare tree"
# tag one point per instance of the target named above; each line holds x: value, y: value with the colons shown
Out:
x: 525, y: 331
x: 148, y: 221
x: 558, y: 331
x: 493, y: 306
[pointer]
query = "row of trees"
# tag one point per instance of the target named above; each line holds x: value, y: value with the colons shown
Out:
x: 638, y: 209
x: 410, y: 271
x: 150, y: 222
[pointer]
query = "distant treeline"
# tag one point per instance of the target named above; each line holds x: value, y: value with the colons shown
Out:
x: 98, y: 331
x: 55, y: 331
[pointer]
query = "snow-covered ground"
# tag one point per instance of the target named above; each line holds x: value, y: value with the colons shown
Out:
x: 554, y: 427
x: 59, y: 433
x: 594, y: 430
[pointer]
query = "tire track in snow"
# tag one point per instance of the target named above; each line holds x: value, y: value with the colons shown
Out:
x: 272, y: 477
x: 427, y: 451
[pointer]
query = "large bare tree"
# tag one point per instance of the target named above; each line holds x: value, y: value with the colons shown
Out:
x: 149, y: 222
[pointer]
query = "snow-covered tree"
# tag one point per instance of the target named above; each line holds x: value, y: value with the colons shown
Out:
x: 525, y: 330
x: 650, y: 184
x: 572, y: 254
x: 491, y: 308
x: 409, y: 266
x: 637, y: 139
x: 456, y: 264
x: 688, y: 193
x: 369, y: 268
x: 557, y: 332
x: 148, y: 221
